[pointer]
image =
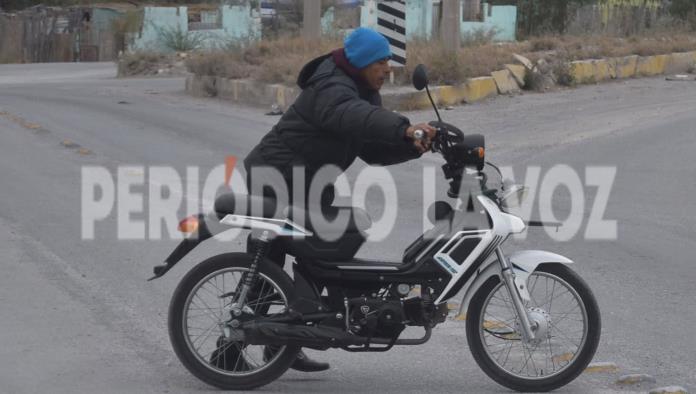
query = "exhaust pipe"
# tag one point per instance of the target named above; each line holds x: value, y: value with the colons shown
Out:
x: 322, y: 337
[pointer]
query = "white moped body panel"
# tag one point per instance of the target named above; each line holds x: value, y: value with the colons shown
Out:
x: 524, y: 262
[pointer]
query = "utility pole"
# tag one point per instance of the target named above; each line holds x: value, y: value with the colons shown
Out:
x: 451, y: 24
x: 311, y: 19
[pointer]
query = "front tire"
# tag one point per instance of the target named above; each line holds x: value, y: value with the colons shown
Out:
x: 197, y: 307
x: 494, y: 337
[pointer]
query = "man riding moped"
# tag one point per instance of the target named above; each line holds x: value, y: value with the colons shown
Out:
x: 337, y: 118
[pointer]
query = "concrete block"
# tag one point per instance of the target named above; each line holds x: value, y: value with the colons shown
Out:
x: 663, y: 62
x: 652, y: 65
x: 450, y: 95
x: 201, y: 86
x: 407, y: 101
x: 477, y: 89
x: 625, y: 67
x: 524, y: 61
x: 288, y: 96
x: 602, y: 70
x: 680, y: 63
x: 226, y: 88
x: 583, y: 71
x: 505, y: 82
x: 518, y: 72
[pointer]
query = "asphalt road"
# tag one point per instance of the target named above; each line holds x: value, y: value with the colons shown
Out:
x: 78, y: 316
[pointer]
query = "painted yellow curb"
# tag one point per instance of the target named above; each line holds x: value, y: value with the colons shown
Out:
x: 663, y: 62
x: 603, y: 70
x: 625, y: 67
x: 591, y: 71
x: 477, y: 89
x: 450, y: 95
x: 413, y: 101
x: 582, y: 71
x: 652, y: 65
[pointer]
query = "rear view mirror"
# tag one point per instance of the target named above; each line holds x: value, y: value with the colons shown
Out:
x: 420, y: 77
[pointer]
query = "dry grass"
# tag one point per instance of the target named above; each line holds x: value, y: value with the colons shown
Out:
x: 479, y: 60
x: 272, y: 61
x: 593, y: 47
x: 280, y: 60
x: 148, y: 64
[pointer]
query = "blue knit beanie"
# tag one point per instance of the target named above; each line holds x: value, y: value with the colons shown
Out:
x: 365, y: 46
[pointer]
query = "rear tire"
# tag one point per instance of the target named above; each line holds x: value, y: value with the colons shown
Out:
x: 577, y: 364
x: 199, y: 365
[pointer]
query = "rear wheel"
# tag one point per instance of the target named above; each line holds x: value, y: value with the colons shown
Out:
x: 567, y: 330
x: 200, y: 309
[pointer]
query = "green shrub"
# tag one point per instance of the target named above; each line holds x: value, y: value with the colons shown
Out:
x: 175, y: 39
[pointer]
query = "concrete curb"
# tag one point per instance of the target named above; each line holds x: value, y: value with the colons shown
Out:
x: 242, y: 90
x: 473, y: 90
x: 597, y: 70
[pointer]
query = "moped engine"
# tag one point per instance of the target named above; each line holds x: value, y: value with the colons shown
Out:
x: 375, y: 317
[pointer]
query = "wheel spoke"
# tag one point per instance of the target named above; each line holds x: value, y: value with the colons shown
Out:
x: 202, y: 321
x: 535, y: 360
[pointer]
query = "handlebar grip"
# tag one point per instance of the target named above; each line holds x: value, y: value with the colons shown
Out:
x: 418, y: 135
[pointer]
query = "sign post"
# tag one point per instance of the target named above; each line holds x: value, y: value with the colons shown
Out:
x: 391, y: 23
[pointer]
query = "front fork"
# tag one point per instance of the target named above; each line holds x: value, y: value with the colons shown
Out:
x: 509, y: 280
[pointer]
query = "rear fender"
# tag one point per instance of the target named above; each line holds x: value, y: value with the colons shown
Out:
x: 208, y: 226
x: 524, y: 262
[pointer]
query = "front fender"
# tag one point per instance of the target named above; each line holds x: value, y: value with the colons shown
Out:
x: 528, y: 260
x: 524, y: 262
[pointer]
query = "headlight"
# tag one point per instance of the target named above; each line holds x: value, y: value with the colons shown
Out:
x: 513, y: 196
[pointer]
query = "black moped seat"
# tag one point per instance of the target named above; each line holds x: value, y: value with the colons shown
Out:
x: 359, y: 220
x: 227, y: 204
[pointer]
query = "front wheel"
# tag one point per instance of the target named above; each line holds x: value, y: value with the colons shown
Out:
x: 567, y: 330
x: 199, y: 328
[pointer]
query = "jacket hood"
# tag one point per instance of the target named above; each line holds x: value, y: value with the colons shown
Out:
x: 325, y: 66
x: 311, y: 71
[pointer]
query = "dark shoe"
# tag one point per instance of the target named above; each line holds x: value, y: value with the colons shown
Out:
x: 227, y: 357
x: 306, y: 364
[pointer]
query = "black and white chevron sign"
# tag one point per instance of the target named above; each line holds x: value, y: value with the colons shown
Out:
x: 391, y: 23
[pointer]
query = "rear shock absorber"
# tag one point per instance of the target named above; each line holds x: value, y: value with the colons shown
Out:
x: 262, y: 245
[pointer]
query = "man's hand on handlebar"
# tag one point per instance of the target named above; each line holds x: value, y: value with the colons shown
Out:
x: 422, y: 135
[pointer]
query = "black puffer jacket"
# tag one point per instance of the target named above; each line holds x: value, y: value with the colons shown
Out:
x: 334, y: 120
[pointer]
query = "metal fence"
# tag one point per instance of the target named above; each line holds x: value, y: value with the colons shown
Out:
x: 46, y: 34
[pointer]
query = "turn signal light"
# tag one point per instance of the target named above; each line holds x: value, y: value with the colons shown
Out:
x: 189, y: 225
x: 481, y: 152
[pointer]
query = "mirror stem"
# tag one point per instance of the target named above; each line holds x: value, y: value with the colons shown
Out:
x: 433, y: 103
